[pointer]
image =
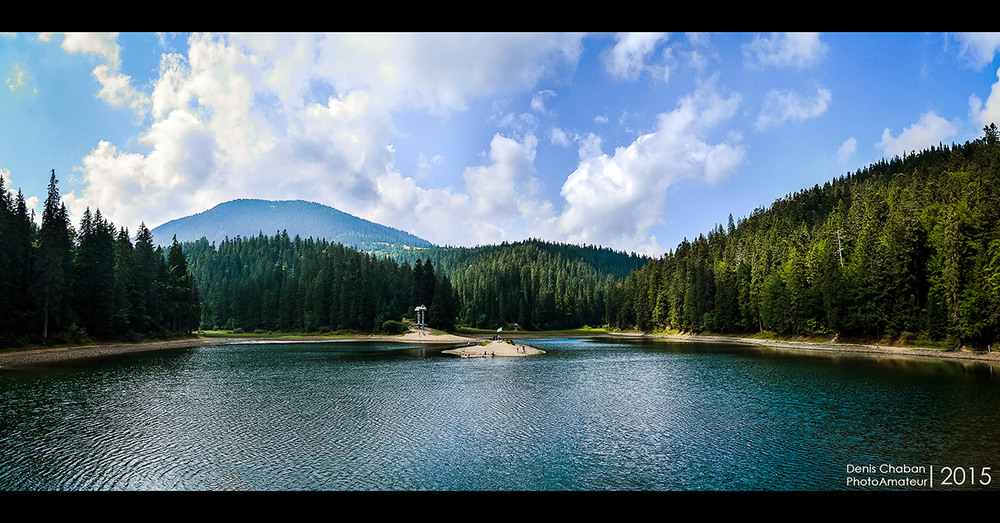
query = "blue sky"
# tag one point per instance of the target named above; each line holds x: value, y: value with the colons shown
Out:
x: 629, y: 141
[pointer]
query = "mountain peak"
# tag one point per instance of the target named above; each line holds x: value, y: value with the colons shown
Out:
x: 252, y: 217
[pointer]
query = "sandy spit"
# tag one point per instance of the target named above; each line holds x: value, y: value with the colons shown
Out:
x: 494, y: 349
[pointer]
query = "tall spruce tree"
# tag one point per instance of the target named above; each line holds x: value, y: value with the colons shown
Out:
x: 8, y: 279
x: 147, y: 277
x: 182, y: 305
x: 444, y: 307
x: 123, y: 317
x: 52, y: 268
x: 94, y: 286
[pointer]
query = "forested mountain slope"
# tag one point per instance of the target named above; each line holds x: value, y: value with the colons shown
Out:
x: 907, y: 248
x: 535, y: 284
x: 295, y: 284
x: 287, y: 284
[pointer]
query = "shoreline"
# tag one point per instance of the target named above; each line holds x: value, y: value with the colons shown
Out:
x: 410, y: 337
x: 830, y: 347
x: 15, y: 358
x: 30, y: 357
x: 26, y: 358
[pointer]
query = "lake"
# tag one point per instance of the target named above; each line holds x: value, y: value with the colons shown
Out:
x: 590, y: 414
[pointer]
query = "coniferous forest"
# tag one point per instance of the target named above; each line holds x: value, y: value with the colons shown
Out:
x: 277, y: 283
x: 287, y: 284
x: 64, y: 285
x: 906, y: 249
x: 534, y: 284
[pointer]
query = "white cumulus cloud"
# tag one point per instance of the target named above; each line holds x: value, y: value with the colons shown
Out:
x: 929, y: 131
x: 282, y: 116
x: 783, y: 106
x: 18, y: 79
x: 496, y: 203
x: 116, y: 87
x: 784, y: 49
x: 289, y: 116
x: 630, y: 54
x: 979, y: 48
x: 989, y: 111
x: 847, y: 149
x: 614, y: 199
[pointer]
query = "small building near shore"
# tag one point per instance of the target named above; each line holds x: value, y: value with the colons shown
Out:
x: 421, y: 315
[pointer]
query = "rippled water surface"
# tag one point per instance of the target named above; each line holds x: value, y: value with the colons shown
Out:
x: 590, y: 414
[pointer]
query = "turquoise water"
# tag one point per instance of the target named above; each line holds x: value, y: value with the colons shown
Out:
x: 590, y: 414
